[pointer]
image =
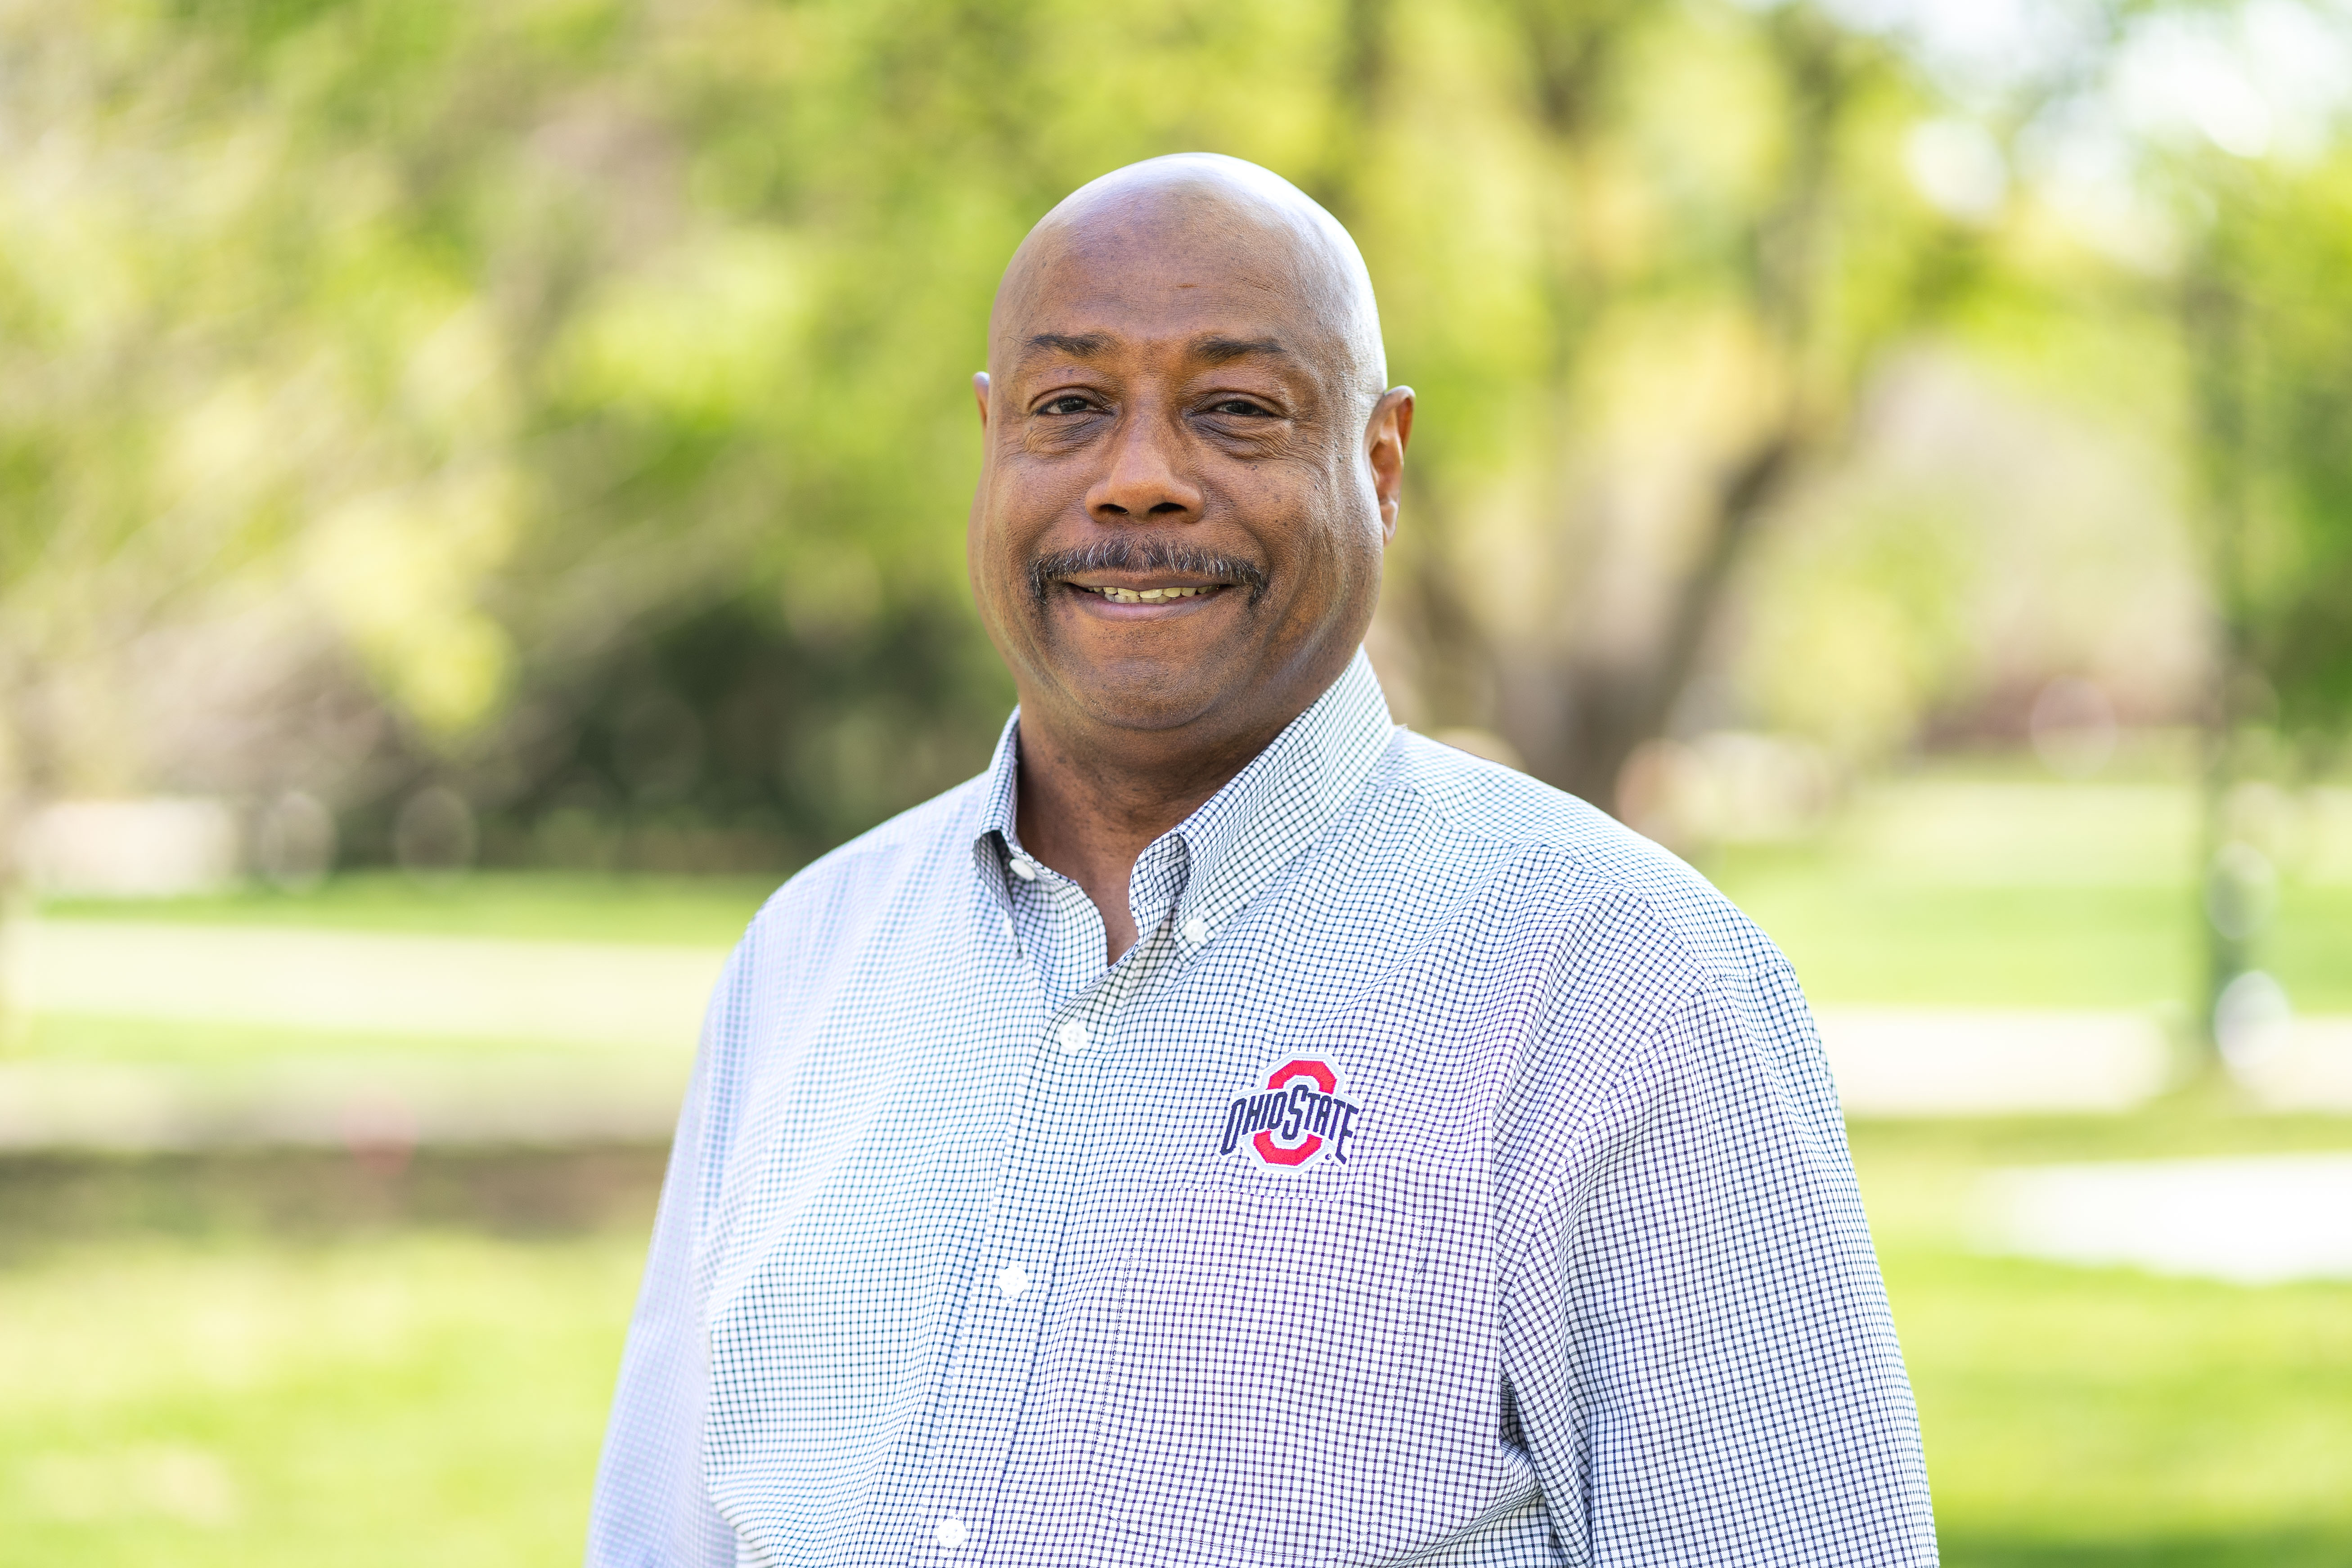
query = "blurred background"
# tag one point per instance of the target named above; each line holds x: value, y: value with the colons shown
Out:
x: 481, y: 492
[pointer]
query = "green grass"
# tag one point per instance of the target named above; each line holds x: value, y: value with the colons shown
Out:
x: 2103, y: 1417
x: 1856, y: 940
x: 2128, y: 1419
x: 1859, y: 939
x: 395, y: 1400
x: 1947, y: 889
x: 420, y: 1391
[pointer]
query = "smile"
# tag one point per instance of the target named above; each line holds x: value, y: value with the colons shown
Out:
x: 1146, y: 578
x: 1148, y: 596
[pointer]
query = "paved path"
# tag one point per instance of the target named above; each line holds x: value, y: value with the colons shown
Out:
x: 566, y: 993
x: 2249, y: 1219
x: 341, y: 1101
x: 1989, y: 1062
x: 568, y: 1040
x: 1993, y: 1061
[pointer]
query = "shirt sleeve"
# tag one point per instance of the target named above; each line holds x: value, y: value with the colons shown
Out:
x: 651, y: 1509
x: 1698, y: 1352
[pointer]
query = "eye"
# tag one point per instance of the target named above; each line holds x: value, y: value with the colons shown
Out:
x: 1068, y: 403
x: 1241, y: 406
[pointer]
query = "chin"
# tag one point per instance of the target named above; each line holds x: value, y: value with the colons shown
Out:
x: 1144, y: 695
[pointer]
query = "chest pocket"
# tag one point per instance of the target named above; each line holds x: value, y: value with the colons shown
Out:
x: 1258, y: 1371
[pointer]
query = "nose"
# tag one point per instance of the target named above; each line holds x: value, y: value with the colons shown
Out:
x: 1144, y: 478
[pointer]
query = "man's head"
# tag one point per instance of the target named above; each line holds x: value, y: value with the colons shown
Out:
x: 1191, y: 459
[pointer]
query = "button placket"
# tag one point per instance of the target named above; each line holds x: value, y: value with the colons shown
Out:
x: 987, y: 1389
x: 998, y: 1344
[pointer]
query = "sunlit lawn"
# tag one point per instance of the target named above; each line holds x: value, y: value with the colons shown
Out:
x: 414, y: 1391
x: 2103, y: 1417
x: 414, y: 1394
x: 1944, y: 891
x: 402, y: 1399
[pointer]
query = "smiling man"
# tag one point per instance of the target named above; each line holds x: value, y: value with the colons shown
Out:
x: 1233, y: 1130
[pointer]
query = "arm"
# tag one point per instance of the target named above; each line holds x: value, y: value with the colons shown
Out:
x: 651, y: 1509
x: 1697, y: 1335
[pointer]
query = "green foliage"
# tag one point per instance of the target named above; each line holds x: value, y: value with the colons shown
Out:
x: 520, y: 368
x: 2283, y: 244
x: 487, y: 344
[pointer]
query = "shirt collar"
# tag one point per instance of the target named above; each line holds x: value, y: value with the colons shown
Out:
x: 1251, y: 827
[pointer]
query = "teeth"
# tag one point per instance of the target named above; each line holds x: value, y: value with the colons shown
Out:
x: 1154, y: 595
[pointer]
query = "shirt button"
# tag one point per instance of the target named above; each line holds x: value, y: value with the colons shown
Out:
x: 951, y: 1533
x: 1013, y: 1280
x: 1074, y: 1036
x: 1196, y: 930
x: 1023, y: 869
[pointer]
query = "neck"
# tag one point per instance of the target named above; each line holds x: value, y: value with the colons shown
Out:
x: 1088, y: 803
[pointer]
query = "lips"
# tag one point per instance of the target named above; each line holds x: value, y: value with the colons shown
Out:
x: 1118, y: 595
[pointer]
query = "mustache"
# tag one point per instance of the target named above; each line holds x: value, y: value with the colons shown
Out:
x: 1124, y: 555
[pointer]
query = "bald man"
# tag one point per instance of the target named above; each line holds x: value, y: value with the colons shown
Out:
x: 1233, y: 1130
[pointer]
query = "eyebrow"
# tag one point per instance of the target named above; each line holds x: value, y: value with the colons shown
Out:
x: 1081, y: 345
x: 1224, y: 350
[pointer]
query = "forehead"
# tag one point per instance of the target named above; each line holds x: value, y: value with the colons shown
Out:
x: 1197, y: 289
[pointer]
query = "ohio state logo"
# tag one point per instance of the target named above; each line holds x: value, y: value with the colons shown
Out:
x: 1297, y: 1116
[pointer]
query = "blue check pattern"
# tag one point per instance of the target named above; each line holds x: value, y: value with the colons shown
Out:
x: 977, y: 1250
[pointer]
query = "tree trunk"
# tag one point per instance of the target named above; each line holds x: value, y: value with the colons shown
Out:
x: 2213, y: 326
x: 1611, y: 710
x: 1605, y: 708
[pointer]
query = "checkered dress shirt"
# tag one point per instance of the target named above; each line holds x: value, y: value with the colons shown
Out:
x: 1446, y: 1176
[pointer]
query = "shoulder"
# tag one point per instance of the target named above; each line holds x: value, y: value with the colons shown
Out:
x: 1650, y: 976
x: 1559, y: 859
x: 887, y: 863
x: 805, y: 941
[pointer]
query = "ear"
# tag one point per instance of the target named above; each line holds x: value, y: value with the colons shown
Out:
x: 1385, y: 435
x: 980, y: 395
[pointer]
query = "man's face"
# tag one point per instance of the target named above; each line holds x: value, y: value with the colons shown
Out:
x: 1180, y: 519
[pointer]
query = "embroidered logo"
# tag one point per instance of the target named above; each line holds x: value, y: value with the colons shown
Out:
x: 1298, y: 1115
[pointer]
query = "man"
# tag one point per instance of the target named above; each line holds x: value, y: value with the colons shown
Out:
x: 1233, y: 1131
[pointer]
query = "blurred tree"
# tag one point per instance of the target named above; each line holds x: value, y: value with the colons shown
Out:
x: 565, y: 400
x: 2266, y: 314
x: 1704, y: 250
x: 2270, y: 354
x: 1777, y: 277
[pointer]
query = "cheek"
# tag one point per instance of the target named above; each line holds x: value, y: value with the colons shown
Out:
x: 1347, y: 549
x: 997, y: 561
x: 1348, y: 523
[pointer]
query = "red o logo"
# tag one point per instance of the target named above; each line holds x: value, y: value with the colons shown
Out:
x: 1274, y: 1153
